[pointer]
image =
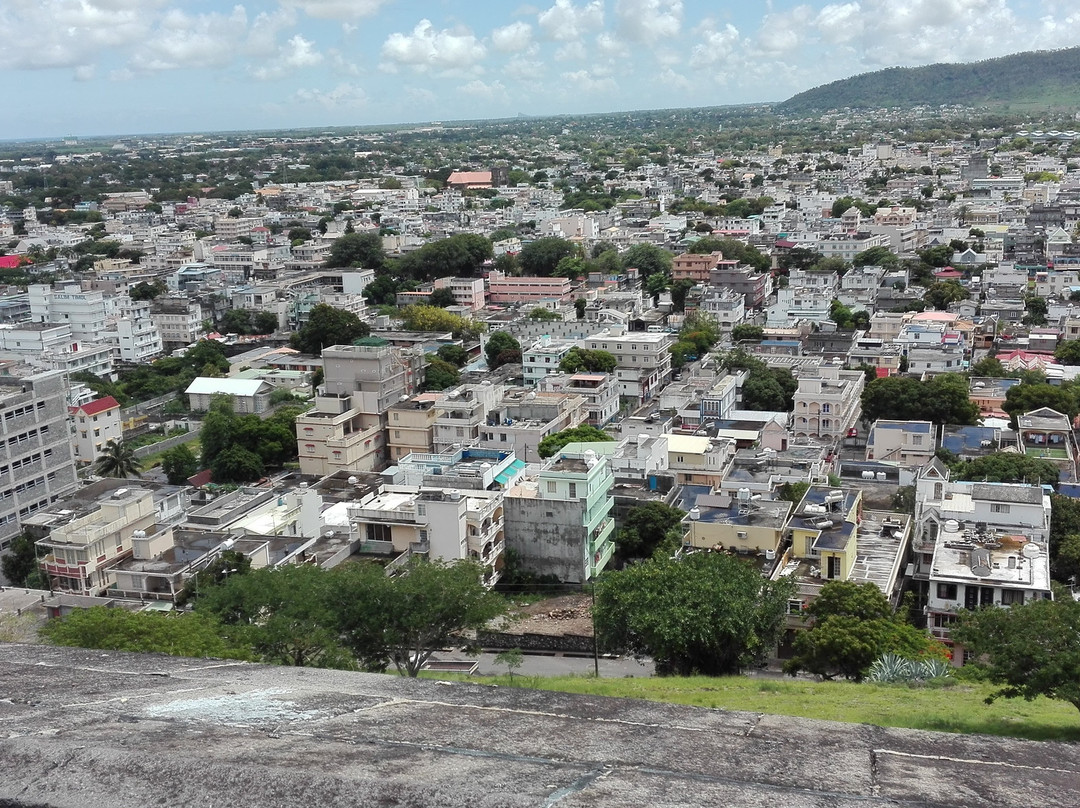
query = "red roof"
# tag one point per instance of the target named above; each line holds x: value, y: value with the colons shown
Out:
x: 97, y: 406
x: 9, y: 261
x: 882, y: 372
x: 201, y: 478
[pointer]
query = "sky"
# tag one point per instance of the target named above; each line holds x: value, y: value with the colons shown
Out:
x: 102, y: 67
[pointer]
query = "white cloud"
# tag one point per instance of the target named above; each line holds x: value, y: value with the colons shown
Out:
x: 342, y: 96
x: 446, y: 51
x: 611, y: 47
x: 565, y: 22
x: 649, y: 21
x: 295, y: 54
x: 716, y: 46
x: 512, y: 38
x: 192, y: 41
x: 342, y: 10
x: 40, y: 34
x: 85, y: 72
x: 585, y: 81
x: 493, y: 91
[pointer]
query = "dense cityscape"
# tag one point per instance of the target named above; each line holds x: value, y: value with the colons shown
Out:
x: 726, y: 390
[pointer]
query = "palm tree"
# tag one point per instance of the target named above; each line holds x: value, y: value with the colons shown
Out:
x: 117, y: 459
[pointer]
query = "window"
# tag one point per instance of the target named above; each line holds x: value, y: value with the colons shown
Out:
x: 794, y: 607
x: 1012, y: 597
x: 825, y: 407
x: 916, y: 440
x: 421, y: 509
x: 834, y: 567
x: 552, y: 486
x: 998, y: 507
x: 572, y: 490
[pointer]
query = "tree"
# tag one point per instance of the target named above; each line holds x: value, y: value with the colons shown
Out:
x: 1006, y: 467
x: 853, y: 625
x: 442, y: 298
x: 236, y: 464
x: 412, y: 614
x: 989, y: 366
x: 875, y: 257
x: 432, y: 318
x: 148, y: 291
x: 542, y: 315
x: 679, y: 290
x: 439, y: 375
x: 649, y: 528
x: 581, y: 303
x: 496, y: 344
x: 357, y: 250
x: 511, y: 658
x: 578, y: 434
x: 942, y: 399
x: 655, y: 285
x: 328, y: 326
x: 189, y: 635
x: 117, y: 459
x: 747, y: 331
x: 648, y: 259
x: 454, y: 354
x: 1068, y: 352
x: 586, y: 359
x: 179, y: 463
x: 224, y: 564
x: 285, y: 614
x: 707, y: 614
x: 20, y: 564
x: 1031, y: 650
x: 542, y: 257
x: 941, y: 293
x: 1025, y: 397
x: 264, y: 322
x: 792, y: 492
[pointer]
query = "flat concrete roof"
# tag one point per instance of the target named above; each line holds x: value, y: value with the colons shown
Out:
x: 104, y: 728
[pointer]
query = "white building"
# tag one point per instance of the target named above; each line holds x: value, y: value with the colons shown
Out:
x: 85, y: 312
x: 643, y: 360
x: 95, y: 424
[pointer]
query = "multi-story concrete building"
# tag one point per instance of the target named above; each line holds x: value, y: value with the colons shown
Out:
x: 446, y: 524
x: 527, y: 290
x: 178, y: 320
x: 560, y: 523
x: 696, y: 267
x: 542, y: 358
x: 601, y: 392
x: 977, y: 545
x: 827, y: 402
x: 744, y: 280
x: 910, y: 443
x: 726, y: 306
x: 410, y: 426
x: 36, y: 462
x: 462, y: 412
x: 85, y: 312
x: 524, y: 417
x: 137, y: 337
x: 84, y: 549
x: 346, y: 429
x: 643, y: 360
x: 95, y: 424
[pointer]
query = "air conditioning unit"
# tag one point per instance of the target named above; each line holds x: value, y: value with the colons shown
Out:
x: 741, y: 534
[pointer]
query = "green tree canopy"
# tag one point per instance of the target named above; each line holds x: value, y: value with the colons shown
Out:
x: 357, y: 250
x: 941, y: 293
x: 179, y: 463
x: 542, y: 315
x: 942, y: 399
x: 1031, y: 650
x: 432, y: 318
x: 328, y: 326
x: 707, y: 613
x: 747, y: 331
x: 586, y: 359
x: 542, y: 257
x: 853, y: 625
x: 442, y: 298
x: 990, y: 367
x: 454, y: 354
x: 1025, y: 397
x: 648, y: 528
x: 117, y: 459
x: 439, y: 375
x: 189, y: 635
x: 1068, y: 352
x: 20, y: 564
x: 647, y: 259
x: 1006, y: 467
x: 497, y: 343
x: 578, y: 434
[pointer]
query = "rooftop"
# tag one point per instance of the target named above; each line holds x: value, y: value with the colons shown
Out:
x: 210, y: 732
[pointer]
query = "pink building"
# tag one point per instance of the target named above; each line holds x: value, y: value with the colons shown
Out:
x: 502, y: 289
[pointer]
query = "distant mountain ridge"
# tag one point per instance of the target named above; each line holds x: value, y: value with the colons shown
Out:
x: 1032, y: 79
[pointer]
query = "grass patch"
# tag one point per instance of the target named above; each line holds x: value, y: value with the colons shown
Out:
x: 950, y: 706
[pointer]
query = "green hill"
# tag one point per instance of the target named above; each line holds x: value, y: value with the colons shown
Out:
x: 1031, y: 80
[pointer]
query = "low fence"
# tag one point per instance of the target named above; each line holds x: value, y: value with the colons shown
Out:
x: 144, y: 452
x: 567, y: 643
